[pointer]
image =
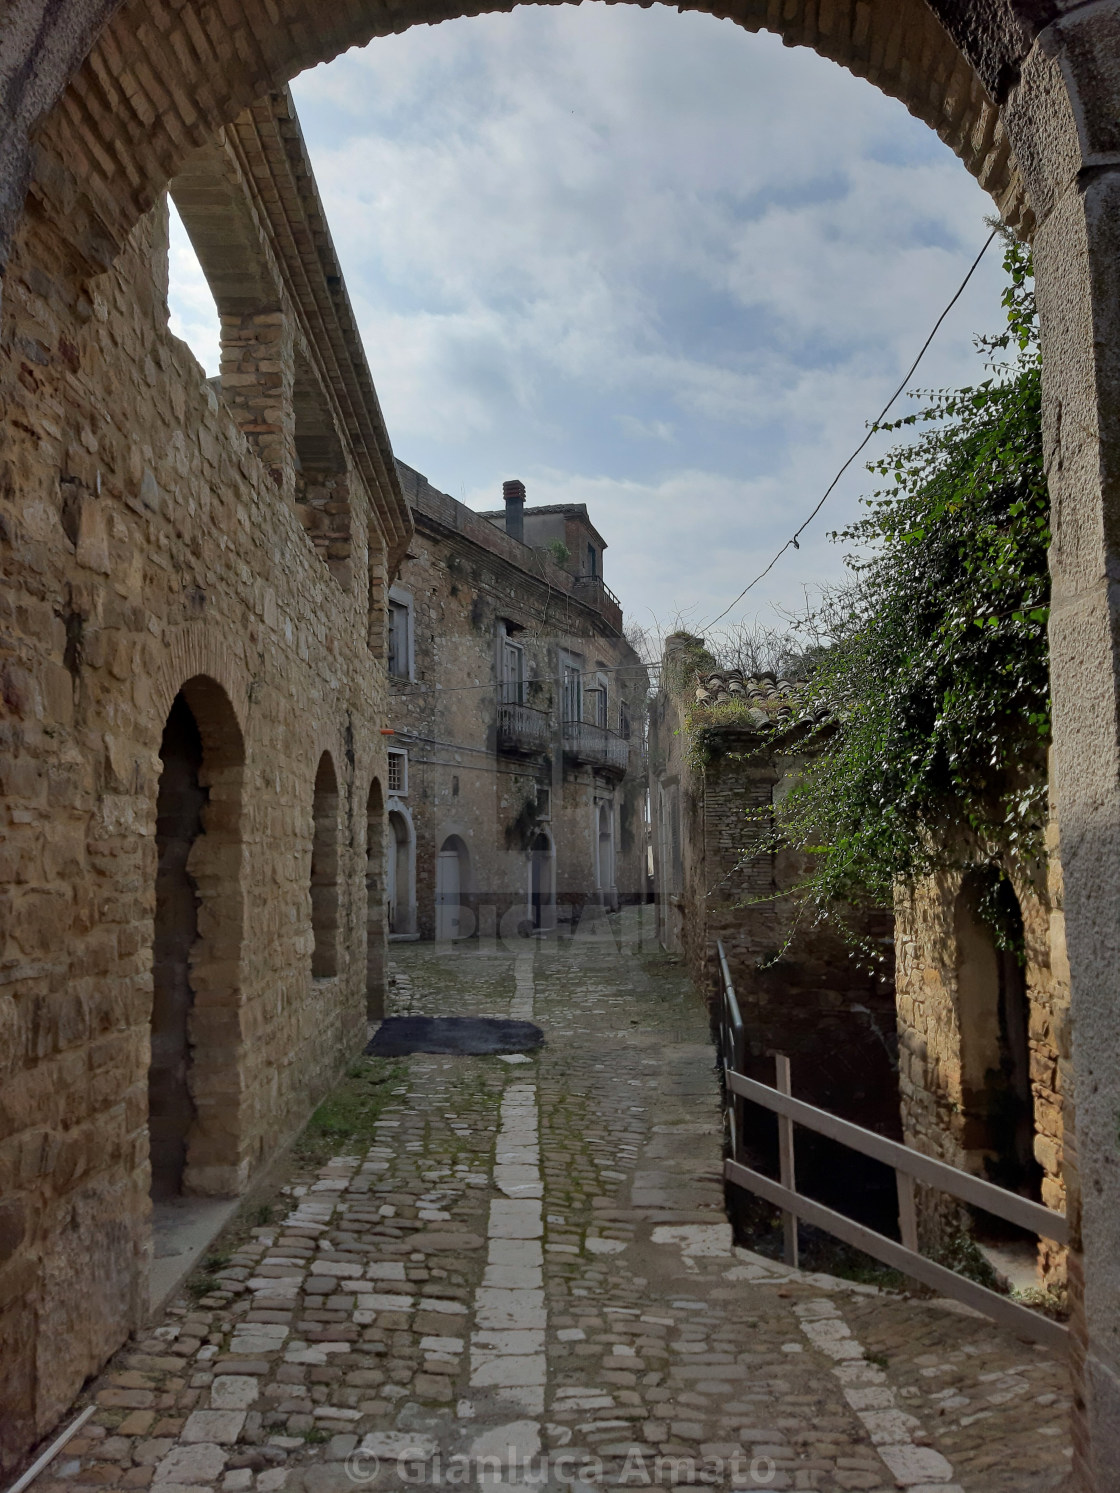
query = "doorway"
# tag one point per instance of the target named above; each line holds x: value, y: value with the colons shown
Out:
x: 400, y: 867
x: 195, y: 1123
x: 542, y: 889
x: 994, y: 1015
x: 452, y: 882
x: 375, y: 903
x: 180, y: 801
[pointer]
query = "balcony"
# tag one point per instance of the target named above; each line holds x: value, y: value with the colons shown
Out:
x: 593, y: 590
x: 523, y: 730
x: 596, y: 746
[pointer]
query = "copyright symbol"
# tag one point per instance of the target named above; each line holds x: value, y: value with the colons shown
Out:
x: 362, y: 1466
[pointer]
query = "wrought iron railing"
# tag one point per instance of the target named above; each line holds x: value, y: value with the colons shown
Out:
x: 588, y: 742
x: 521, y: 728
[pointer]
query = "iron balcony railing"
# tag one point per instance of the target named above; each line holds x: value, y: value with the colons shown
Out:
x: 521, y: 728
x: 587, y: 742
x: 597, y: 589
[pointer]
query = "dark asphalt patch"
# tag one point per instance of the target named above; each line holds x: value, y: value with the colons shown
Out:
x: 457, y: 1036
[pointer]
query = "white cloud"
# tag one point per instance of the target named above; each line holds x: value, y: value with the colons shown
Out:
x: 648, y: 261
x: 194, y: 316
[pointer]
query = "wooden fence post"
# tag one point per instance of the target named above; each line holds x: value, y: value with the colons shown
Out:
x: 787, y: 1170
x: 907, y: 1211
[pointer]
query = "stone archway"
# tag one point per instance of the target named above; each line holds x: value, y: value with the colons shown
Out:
x: 115, y: 97
x: 153, y: 88
x: 195, y: 1071
x: 324, y: 871
x: 376, y: 901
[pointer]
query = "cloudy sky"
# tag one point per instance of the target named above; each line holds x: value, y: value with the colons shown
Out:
x: 644, y: 261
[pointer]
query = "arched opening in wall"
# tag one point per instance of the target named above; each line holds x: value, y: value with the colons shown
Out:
x: 192, y: 310
x: 194, y: 1120
x: 542, y: 882
x: 322, y: 485
x: 993, y: 1010
x: 375, y: 902
x: 400, y: 878
x: 324, y: 872
x: 452, y: 884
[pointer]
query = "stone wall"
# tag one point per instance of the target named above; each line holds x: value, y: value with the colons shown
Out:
x: 476, y: 773
x: 949, y: 1022
x: 154, y: 565
x: 800, y: 989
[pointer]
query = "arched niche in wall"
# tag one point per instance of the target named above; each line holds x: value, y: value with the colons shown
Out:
x: 194, y: 1119
x: 324, y: 871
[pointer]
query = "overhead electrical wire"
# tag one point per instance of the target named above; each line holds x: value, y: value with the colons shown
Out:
x: 454, y: 689
x: 792, y: 543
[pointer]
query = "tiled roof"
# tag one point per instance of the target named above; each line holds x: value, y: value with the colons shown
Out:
x: 773, y: 701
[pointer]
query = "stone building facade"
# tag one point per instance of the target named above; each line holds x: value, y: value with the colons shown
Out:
x: 722, y: 750
x: 103, y: 101
x: 983, y: 1022
x: 517, y: 779
x: 192, y: 691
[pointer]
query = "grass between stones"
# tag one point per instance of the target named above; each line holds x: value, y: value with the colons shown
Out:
x: 344, y: 1122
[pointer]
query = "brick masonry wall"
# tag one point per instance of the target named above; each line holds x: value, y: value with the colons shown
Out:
x: 145, y: 545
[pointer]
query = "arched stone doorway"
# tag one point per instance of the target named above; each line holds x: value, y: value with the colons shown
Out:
x: 993, y: 1011
x: 375, y: 902
x: 604, y: 854
x: 1011, y: 85
x: 542, y: 882
x: 400, y: 889
x: 324, y: 872
x: 194, y: 1121
x: 453, y: 871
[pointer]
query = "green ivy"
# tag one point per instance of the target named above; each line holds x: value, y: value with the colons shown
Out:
x: 936, y: 673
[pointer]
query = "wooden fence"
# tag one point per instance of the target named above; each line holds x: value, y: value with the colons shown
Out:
x: 909, y: 1167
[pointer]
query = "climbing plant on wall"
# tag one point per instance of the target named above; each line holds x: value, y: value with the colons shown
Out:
x: 936, y: 673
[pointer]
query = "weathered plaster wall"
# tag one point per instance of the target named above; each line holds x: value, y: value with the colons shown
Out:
x: 468, y: 580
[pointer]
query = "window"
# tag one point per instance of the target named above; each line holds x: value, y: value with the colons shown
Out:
x: 597, y: 701
x: 400, y: 636
x: 544, y: 802
x: 592, y: 560
x: 398, y: 773
x: 624, y: 719
x: 513, y: 672
x: 572, y: 672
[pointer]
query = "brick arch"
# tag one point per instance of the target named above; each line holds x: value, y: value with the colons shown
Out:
x: 193, y: 651
x: 216, y: 1159
x: 160, y: 80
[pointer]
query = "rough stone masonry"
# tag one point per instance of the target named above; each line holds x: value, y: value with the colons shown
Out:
x: 192, y: 680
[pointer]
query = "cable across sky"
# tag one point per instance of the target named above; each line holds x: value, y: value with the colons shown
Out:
x: 791, y: 542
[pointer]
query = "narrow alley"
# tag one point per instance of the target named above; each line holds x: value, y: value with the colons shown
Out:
x: 527, y: 1279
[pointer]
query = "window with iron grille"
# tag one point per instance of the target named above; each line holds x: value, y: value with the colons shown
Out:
x: 398, y: 772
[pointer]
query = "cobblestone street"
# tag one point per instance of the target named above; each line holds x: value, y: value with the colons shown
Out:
x: 530, y: 1269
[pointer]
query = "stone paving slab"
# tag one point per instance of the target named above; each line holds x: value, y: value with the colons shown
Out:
x: 527, y: 1280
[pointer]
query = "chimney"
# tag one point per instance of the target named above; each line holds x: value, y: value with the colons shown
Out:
x: 514, y: 495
